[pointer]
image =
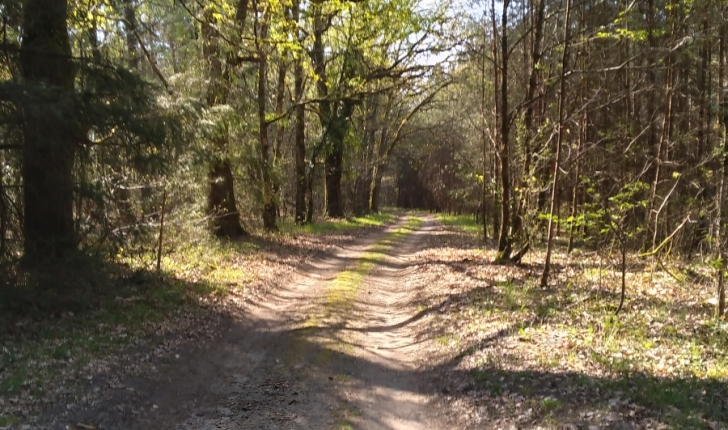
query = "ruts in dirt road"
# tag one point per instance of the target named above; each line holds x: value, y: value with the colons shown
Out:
x: 337, y: 347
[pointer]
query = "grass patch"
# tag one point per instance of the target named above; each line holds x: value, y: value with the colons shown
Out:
x: 550, y: 404
x: 341, y: 291
x: 7, y: 420
x: 464, y: 223
x: 338, y: 225
x: 13, y: 382
x: 347, y: 417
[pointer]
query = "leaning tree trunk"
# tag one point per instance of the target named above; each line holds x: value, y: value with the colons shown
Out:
x: 49, y: 149
x: 557, y: 156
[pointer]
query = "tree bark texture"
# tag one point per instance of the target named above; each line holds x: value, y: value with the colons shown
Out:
x: 504, y: 244
x: 49, y: 149
x: 221, y: 205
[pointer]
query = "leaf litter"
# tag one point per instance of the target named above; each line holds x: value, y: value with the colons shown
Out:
x: 506, y: 354
x: 55, y: 368
x: 513, y: 355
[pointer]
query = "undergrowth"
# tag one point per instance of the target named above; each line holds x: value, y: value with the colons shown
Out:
x: 662, y: 361
x: 330, y: 225
x: 94, y: 309
x: 464, y: 223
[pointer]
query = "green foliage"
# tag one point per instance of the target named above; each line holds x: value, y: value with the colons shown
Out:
x: 7, y: 420
x: 464, y: 223
x: 630, y: 196
x: 338, y: 225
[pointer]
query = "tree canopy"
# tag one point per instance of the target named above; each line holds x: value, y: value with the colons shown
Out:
x: 599, y: 120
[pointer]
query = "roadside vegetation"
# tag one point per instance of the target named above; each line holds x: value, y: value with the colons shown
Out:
x: 126, y: 318
x: 516, y: 353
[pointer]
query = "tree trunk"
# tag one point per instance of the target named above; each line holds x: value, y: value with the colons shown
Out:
x: 721, y: 216
x: 49, y: 149
x: 221, y: 205
x: 504, y: 243
x: 382, y: 158
x: 269, y: 207
x: 331, y: 119
x: 575, y: 189
x: 309, y: 192
x: 3, y: 220
x: 300, y: 128
x: 225, y: 219
x: 333, y: 166
x: 559, y: 143
x: 338, y: 127
x: 130, y: 26
x: 580, y: 63
x: 280, y: 129
x: 653, y: 171
x: 483, y: 131
x: 529, y: 130
x: 363, y: 186
x: 376, y: 189
x: 333, y: 114
x: 363, y: 190
x: 300, y: 144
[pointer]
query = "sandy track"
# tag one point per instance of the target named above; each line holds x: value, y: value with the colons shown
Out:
x: 299, y: 360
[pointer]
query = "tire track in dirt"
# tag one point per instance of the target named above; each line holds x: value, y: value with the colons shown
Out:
x: 333, y: 349
x: 390, y: 387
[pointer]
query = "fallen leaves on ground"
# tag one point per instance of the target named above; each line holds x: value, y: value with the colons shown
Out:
x: 50, y: 368
x: 514, y: 355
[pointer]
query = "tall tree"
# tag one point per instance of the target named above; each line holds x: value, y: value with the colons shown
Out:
x: 300, y: 119
x: 221, y: 204
x: 504, y: 122
x: 559, y: 144
x: 49, y: 145
x: 267, y: 157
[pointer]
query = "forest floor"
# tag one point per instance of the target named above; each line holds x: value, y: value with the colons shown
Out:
x: 402, y: 324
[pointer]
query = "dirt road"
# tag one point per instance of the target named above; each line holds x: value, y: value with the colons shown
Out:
x: 336, y: 348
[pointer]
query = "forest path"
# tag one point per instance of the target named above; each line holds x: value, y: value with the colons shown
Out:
x: 338, y: 347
